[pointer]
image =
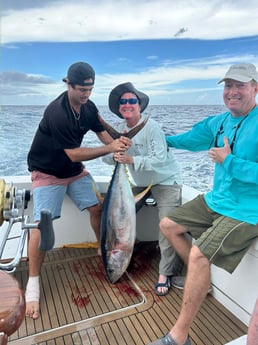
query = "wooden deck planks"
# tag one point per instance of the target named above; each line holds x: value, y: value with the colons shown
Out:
x: 79, y: 306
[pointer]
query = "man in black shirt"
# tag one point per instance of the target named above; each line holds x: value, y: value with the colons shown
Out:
x: 55, y: 161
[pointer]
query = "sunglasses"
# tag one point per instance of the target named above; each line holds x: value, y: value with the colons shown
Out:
x: 123, y: 101
x: 221, y: 131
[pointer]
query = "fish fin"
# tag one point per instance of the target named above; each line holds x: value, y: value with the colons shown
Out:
x: 140, y: 195
x: 136, y: 129
x: 98, y: 194
x: 115, y: 134
x: 111, y: 131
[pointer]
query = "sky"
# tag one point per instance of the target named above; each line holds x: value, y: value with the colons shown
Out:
x: 173, y: 50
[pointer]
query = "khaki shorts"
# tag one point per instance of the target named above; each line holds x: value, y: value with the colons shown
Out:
x: 223, y: 240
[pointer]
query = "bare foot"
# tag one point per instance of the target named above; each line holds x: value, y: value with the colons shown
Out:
x: 32, y: 310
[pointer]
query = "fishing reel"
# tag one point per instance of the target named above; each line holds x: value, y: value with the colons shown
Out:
x: 12, y: 200
x: 13, y: 203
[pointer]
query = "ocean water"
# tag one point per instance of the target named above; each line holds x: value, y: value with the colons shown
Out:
x: 19, y: 123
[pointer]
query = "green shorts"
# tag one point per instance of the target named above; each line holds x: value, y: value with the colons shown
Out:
x: 223, y: 240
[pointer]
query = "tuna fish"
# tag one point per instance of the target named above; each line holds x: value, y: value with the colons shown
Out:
x: 118, y: 221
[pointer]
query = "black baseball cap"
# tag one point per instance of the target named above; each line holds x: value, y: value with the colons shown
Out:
x: 78, y: 73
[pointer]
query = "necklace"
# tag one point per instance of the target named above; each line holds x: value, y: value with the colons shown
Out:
x: 75, y: 114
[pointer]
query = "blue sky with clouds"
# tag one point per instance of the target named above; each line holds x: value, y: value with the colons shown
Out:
x: 175, y: 51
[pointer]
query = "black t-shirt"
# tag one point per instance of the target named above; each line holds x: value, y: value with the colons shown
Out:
x: 59, y: 130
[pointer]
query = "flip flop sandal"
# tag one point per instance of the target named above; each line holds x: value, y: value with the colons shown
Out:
x: 168, y: 340
x: 166, y: 285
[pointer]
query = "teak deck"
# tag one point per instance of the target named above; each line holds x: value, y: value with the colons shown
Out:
x: 79, y: 306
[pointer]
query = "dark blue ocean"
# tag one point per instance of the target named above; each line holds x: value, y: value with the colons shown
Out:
x: 19, y: 123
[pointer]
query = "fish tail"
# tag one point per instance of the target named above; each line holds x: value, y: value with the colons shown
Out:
x: 115, y: 134
x: 111, y: 131
x: 136, y: 129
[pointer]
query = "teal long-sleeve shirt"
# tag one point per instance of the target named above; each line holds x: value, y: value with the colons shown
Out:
x: 235, y: 184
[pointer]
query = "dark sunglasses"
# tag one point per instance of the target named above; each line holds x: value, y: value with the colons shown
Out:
x: 123, y: 101
x: 221, y: 131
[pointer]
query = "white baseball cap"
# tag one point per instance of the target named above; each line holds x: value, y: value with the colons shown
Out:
x: 243, y: 73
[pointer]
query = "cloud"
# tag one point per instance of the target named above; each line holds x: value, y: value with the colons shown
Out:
x: 8, y: 77
x: 152, y: 57
x: 181, y: 32
x: 88, y: 20
x: 23, y: 87
x: 178, y: 73
x: 184, y: 82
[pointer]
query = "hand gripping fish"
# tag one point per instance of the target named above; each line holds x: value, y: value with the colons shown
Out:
x: 118, y: 220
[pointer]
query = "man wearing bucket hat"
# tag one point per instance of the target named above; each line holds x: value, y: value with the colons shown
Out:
x: 224, y: 221
x: 55, y: 161
x: 149, y: 161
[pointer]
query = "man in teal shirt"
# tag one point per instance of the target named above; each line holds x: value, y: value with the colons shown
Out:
x: 224, y: 220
